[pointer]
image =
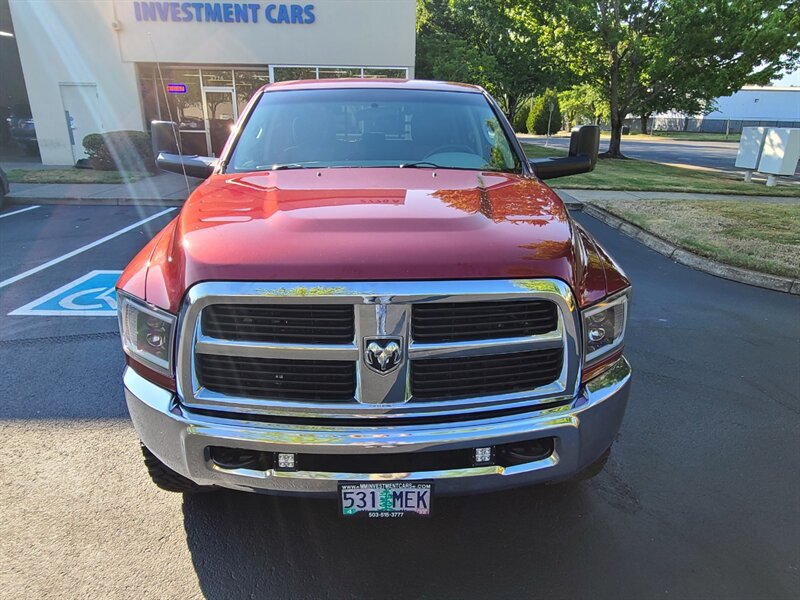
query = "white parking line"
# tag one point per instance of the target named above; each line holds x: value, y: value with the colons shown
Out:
x: 94, y: 244
x: 16, y: 212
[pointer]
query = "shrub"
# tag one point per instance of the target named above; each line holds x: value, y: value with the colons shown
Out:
x: 120, y: 151
x: 540, y: 114
x: 521, y: 118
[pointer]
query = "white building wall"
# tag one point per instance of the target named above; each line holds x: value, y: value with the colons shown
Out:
x: 760, y: 103
x: 99, y: 42
x: 343, y: 32
x: 72, y: 42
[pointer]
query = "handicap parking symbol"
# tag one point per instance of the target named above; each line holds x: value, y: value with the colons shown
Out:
x: 92, y: 295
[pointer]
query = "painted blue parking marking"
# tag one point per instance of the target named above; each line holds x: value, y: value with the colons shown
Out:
x: 92, y: 295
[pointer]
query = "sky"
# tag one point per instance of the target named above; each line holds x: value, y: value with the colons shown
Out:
x: 791, y: 79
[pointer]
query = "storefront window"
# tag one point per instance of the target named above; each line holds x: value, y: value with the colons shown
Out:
x: 284, y: 73
x: 336, y: 72
x: 385, y: 73
x: 185, y: 109
x: 215, y: 97
x: 247, y: 82
x: 194, y: 142
x: 292, y: 73
x: 149, y: 91
x: 217, y: 78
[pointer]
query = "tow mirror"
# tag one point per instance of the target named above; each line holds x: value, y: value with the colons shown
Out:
x: 584, y: 145
x: 164, y: 135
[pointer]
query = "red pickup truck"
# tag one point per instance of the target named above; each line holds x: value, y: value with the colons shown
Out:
x: 373, y: 296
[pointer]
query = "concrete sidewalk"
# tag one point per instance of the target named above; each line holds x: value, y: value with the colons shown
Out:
x: 164, y: 189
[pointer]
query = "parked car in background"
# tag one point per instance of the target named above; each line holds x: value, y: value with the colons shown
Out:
x: 374, y: 296
x: 4, y: 187
x: 5, y: 133
x: 22, y: 129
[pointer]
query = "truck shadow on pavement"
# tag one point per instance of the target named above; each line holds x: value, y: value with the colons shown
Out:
x: 497, y: 545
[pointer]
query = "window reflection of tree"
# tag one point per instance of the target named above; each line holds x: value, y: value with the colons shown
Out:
x: 187, y: 109
x: 214, y: 100
x: 547, y: 249
x: 385, y: 73
x: 338, y: 73
x: 149, y: 91
x: 291, y: 73
x: 247, y: 82
x: 512, y: 201
x: 501, y: 158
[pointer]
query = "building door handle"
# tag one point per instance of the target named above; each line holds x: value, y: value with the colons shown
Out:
x: 70, y: 127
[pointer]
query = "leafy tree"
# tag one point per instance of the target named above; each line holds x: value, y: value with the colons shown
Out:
x: 583, y: 103
x: 501, y: 45
x: 714, y: 50
x: 520, y: 122
x: 655, y: 55
x: 545, y: 113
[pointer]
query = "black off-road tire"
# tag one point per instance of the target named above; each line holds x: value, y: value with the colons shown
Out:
x: 594, y: 469
x: 169, y: 480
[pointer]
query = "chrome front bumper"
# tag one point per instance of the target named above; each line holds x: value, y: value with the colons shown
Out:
x: 582, y: 431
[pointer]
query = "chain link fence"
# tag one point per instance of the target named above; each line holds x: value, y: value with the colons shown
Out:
x: 700, y: 125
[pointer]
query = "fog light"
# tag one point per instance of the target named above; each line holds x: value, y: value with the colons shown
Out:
x: 483, y: 456
x: 519, y: 453
x: 286, y: 461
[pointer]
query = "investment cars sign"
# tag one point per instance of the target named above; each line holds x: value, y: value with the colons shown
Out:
x: 224, y: 12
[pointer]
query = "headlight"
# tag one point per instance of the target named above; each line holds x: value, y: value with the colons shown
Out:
x: 147, y: 333
x: 604, y: 327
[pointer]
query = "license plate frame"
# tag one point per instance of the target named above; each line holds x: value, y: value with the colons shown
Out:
x: 385, y: 493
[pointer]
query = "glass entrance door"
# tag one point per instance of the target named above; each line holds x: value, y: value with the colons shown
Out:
x: 221, y: 114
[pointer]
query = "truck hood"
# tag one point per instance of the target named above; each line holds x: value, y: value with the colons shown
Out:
x: 365, y: 224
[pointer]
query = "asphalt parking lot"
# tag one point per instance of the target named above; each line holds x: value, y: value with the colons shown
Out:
x: 700, y: 499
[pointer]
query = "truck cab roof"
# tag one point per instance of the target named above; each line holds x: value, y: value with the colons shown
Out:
x: 351, y: 83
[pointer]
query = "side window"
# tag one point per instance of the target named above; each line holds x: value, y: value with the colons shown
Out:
x: 500, y: 154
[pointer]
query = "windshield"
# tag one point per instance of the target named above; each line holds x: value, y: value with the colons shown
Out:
x: 373, y: 128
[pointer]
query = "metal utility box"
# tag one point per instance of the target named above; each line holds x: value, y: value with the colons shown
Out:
x: 781, y: 151
x: 750, y: 146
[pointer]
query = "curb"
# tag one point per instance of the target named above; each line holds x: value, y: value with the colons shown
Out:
x: 668, y: 195
x: 569, y: 201
x: 689, y: 259
x: 16, y: 200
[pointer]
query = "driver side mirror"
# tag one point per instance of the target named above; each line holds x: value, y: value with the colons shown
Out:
x: 584, y: 145
x: 164, y: 136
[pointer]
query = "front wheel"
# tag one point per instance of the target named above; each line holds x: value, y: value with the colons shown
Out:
x: 169, y: 480
x: 594, y: 469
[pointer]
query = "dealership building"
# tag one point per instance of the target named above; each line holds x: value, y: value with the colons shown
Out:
x: 106, y: 65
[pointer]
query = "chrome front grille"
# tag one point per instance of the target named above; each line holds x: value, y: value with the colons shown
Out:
x: 461, y: 321
x: 285, y: 379
x: 308, y: 350
x: 305, y: 324
x: 450, y: 378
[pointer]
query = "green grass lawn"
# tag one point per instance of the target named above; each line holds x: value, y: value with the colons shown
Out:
x: 641, y: 175
x: 755, y: 235
x: 692, y: 137
x: 686, y: 136
x: 73, y: 176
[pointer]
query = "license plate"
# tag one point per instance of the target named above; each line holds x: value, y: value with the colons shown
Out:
x: 385, y: 500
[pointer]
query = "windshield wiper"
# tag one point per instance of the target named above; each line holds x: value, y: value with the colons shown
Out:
x: 282, y: 167
x: 420, y: 163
